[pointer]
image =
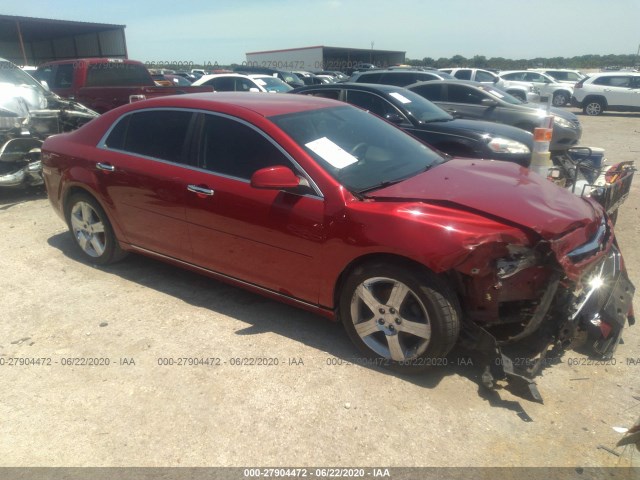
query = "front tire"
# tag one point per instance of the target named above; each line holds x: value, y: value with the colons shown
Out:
x: 91, y: 230
x: 593, y: 108
x: 400, y: 315
x: 560, y: 99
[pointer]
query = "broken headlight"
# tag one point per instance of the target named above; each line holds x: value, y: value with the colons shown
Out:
x: 519, y: 259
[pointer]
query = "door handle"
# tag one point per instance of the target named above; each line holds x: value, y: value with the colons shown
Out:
x: 200, y: 190
x: 105, y: 166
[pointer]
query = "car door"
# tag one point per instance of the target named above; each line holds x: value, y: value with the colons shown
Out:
x: 634, y: 94
x: 144, y: 176
x: 616, y: 89
x: 466, y: 102
x: 270, y: 238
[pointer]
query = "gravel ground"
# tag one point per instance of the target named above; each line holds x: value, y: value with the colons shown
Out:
x: 311, y: 409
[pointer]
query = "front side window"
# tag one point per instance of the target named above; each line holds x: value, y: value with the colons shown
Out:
x: 464, y: 94
x: 158, y: 134
x: 463, y: 74
x: 371, y: 102
x: 484, y: 76
x: 222, y: 84
x: 232, y: 148
x: 64, y: 76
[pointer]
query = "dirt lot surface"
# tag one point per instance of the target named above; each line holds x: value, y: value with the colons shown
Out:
x: 311, y: 409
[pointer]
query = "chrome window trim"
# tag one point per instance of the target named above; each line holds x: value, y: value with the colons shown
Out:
x: 103, y: 146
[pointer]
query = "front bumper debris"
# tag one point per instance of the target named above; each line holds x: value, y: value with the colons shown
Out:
x: 594, y: 314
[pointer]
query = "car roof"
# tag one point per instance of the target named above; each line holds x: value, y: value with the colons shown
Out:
x: 264, y: 104
x: 378, y: 87
x: 614, y: 74
x: 452, y: 82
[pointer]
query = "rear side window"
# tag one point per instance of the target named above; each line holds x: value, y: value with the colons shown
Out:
x: 369, y: 78
x: 433, y: 91
x: 325, y: 93
x: 116, y: 74
x: 621, y: 81
x: 400, y: 79
x: 158, y: 134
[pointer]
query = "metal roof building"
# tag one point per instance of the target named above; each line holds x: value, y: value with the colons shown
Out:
x: 31, y: 41
x: 321, y: 57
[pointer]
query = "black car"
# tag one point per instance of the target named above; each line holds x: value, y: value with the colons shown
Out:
x: 400, y: 77
x: 289, y: 77
x: 478, y: 101
x: 431, y: 124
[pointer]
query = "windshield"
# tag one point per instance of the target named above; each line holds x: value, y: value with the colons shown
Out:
x: 358, y: 149
x: 272, y: 84
x: 19, y: 90
x: 500, y: 94
x: 419, y: 107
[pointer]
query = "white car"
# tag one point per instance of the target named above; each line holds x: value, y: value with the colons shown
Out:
x: 562, y: 75
x: 524, y: 91
x: 270, y: 83
x: 560, y: 93
x: 230, y: 82
x: 616, y: 91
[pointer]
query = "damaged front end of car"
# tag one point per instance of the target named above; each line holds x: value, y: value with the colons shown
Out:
x: 525, y: 305
x: 28, y: 115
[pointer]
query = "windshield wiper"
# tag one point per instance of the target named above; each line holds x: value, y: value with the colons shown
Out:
x: 388, y: 183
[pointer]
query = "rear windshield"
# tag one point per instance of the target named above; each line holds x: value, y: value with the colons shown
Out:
x: 117, y: 75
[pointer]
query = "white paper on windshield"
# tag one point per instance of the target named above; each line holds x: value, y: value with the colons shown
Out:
x: 331, y: 153
x: 260, y: 82
x: 399, y: 96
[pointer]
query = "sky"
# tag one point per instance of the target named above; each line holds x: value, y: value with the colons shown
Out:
x: 222, y: 31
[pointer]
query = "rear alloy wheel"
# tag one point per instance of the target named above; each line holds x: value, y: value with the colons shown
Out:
x: 400, y: 316
x: 560, y: 99
x: 593, y: 108
x: 91, y: 230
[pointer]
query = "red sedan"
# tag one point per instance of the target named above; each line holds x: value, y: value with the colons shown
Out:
x: 325, y: 206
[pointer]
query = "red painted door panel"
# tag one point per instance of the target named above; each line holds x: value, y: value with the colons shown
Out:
x: 266, y: 237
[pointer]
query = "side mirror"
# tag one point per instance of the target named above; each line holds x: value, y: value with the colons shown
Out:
x: 254, y: 89
x: 496, y: 79
x: 275, y: 178
x: 489, y: 102
x: 45, y: 85
x: 394, y: 118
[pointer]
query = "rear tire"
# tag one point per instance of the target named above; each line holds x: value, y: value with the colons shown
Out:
x: 593, y: 108
x: 91, y: 230
x: 400, y: 316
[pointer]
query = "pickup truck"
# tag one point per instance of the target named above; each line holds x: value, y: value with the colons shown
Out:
x: 102, y: 84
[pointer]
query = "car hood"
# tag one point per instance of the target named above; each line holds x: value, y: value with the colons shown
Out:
x: 492, y: 128
x: 554, y: 111
x: 501, y: 190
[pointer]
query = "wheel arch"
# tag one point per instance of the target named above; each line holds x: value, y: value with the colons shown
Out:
x: 592, y: 97
x: 82, y: 188
x: 384, y: 258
